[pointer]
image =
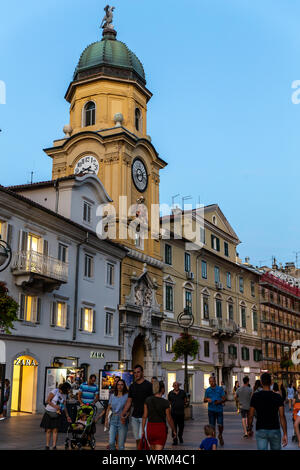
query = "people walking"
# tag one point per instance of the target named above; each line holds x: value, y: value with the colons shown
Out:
x: 210, y: 442
x: 215, y: 397
x: 268, y: 405
x: 6, y: 396
x: 290, y: 395
x: 276, y: 388
x: 55, y: 405
x: 283, y: 392
x: 257, y: 386
x: 178, y: 400
x: 156, y: 413
x: 139, y: 390
x: 244, y: 394
x: 117, y: 429
x: 236, y: 386
x: 89, y: 395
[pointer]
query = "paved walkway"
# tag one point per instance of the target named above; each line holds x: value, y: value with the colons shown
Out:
x: 23, y: 432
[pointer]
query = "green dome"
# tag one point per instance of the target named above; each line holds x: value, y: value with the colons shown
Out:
x: 109, y: 53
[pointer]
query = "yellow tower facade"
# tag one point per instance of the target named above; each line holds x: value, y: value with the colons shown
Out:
x: 107, y: 136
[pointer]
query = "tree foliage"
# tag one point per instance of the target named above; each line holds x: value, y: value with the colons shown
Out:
x: 8, y: 310
x: 185, y: 344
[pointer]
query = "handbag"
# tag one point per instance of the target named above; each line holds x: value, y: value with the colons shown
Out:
x: 143, y: 445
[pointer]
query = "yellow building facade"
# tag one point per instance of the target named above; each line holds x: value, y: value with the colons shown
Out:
x: 223, y: 296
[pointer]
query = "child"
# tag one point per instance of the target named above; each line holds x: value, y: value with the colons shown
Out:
x: 210, y: 442
x: 81, y: 423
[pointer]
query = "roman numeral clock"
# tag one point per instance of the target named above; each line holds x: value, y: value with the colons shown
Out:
x: 139, y: 175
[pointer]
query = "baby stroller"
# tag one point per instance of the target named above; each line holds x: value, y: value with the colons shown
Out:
x: 296, y: 408
x: 77, y: 438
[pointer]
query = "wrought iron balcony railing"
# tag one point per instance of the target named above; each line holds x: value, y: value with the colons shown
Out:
x: 33, y: 262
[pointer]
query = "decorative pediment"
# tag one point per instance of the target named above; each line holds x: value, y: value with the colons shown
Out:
x: 143, y: 296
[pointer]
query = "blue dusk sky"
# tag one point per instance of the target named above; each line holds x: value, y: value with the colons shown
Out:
x: 221, y: 74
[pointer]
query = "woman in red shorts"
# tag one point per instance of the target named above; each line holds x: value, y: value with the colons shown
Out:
x: 157, y: 410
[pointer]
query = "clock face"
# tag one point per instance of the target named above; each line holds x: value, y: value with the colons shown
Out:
x: 139, y: 175
x: 87, y: 164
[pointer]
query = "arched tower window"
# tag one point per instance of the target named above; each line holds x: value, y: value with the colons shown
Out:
x: 138, y: 119
x: 89, y: 116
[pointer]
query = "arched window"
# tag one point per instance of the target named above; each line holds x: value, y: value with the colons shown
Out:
x: 89, y: 116
x: 138, y: 119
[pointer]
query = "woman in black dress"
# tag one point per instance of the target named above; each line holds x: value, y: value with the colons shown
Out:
x: 55, y: 405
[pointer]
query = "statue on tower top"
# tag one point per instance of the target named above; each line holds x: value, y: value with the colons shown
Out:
x: 108, y: 18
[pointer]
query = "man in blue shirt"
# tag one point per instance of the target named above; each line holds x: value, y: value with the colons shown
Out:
x: 89, y: 392
x: 215, y: 397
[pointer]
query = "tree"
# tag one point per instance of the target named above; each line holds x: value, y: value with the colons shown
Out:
x: 8, y: 310
x: 286, y: 363
x: 185, y: 344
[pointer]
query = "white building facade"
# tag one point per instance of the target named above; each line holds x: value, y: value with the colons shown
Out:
x: 67, y: 283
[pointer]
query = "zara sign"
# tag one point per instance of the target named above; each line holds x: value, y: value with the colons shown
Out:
x: 97, y: 355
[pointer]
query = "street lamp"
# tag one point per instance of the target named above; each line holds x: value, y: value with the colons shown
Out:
x: 185, y: 320
x: 5, y: 255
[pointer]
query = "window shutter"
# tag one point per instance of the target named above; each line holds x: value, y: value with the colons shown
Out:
x: 212, y: 241
x: 53, y: 314
x: 45, y: 248
x: 68, y: 317
x: 218, y: 244
x: 81, y: 319
x: 23, y: 240
x: 9, y: 234
x: 94, y: 321
x: 38, y: 310
x: 22, y: 306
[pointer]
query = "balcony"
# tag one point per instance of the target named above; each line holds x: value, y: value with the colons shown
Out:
x: 35, y: 271
x: 223, y: 328
x: 222, y: 359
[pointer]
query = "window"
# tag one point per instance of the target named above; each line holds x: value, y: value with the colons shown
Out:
x: 230, y: 311
x: 205, y: 308
x: 87, y: 320
x: 245, y: 354
x: 206, y: 348
x: 215, y: 243
x: 226, y: 249
x: 228, y: 280
x: 89, y: 114
x: 253, y: 288
x: 169, y: 344
x: 204, y: 269
x: 87, y: 212
x: 218, y: 308
x: 32, y: 242
x: 62, y: 252
x: 257, y: 355
x: 109, y: 324
x: 138, y: 119
x: 217, y: 274
x: 188, y: 301
x: 30, y: 307
x: 110, y: 274
x: 232, y: 351
x: 169, y: 298
x: 241, y: 282
x: 2, y: 226
x: 88, y: 266
x: 168, y: 254
x: 243, y: 317
x: 255, y: 319
x: 187, y: 262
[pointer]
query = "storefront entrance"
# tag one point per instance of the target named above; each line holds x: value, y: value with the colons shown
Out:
x: 138, y: 351
x: 24, y: 386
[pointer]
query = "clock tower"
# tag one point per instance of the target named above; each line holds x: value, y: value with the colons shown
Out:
x: 107, y: 136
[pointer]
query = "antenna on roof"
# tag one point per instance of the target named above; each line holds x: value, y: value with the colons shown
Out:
x: 173, y: 199
x: 31, y: 179
x: 296, y: 253
x: 185, y: 198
